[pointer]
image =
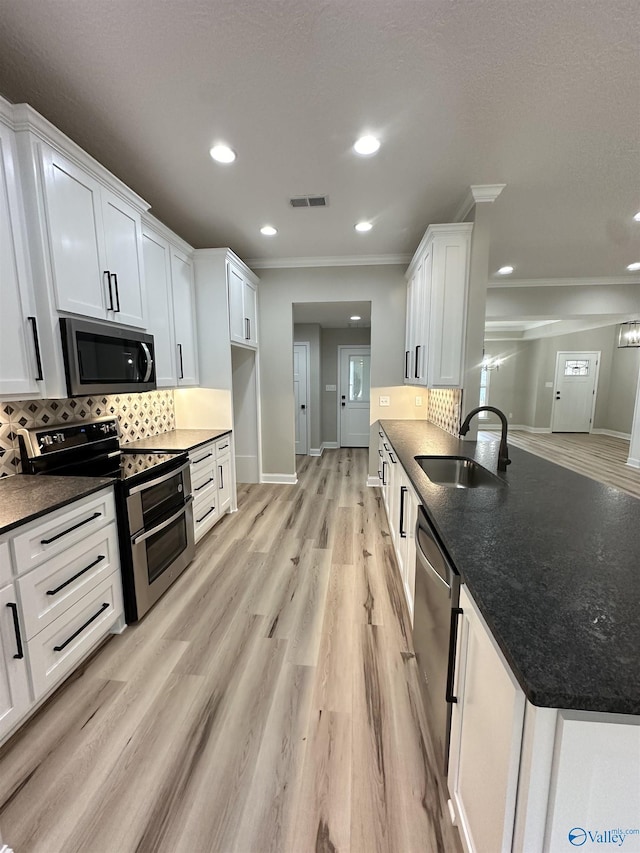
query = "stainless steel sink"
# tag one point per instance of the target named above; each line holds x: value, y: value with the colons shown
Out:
x: 457, y: 472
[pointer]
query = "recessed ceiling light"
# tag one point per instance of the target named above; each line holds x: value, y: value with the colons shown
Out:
x: 363, y: 226
x: 223, y: 154
x: 366, y: 145
x: 505, y: 270
x: 637, y: 216
x: 268, y: 230
x: 634, y: 267
x: 355, y: 317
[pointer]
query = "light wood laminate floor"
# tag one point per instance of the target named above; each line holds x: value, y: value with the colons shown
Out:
x: 601, y: 457
x: 269, y: 701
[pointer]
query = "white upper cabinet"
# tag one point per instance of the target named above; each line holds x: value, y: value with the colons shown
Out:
x: 437, y: 307
x: 20, y: 360
x: 95, y: 243
x: 184, y: 318
x: 157, y: 268
x: 170, y: 293
x: 243, y: 326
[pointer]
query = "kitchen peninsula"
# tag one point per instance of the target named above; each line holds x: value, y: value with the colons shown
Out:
x: 551, y: 561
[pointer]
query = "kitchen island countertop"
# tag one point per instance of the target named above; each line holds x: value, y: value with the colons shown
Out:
x: 553, y: 561
x: 176, y: 439
x: 25, y: 497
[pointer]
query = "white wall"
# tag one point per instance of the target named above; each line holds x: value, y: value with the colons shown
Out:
x: 383, y: 286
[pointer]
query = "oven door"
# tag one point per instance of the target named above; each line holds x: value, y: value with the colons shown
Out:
x: 160, y: 554
x: 158, y: 498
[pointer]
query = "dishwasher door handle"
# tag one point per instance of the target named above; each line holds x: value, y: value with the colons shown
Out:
x: 424, y: 560
x: 453, y: 642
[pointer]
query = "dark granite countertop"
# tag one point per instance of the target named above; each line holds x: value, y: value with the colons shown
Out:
x: 24, y: 497
x: 553, y: 562
x: 176, y: 439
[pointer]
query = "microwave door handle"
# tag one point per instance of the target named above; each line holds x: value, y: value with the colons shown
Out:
x: 142, y: 536
x: 149, y: 362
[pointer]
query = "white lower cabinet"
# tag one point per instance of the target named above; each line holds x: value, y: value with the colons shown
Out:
x: 212, y: 483
x: 15, y: 696
x: 64, y: 596
x: 486, y: 734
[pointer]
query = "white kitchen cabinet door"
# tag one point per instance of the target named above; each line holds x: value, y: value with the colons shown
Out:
x: 406, y: 541
x: 123, y: 260
x: 237, y: 325
x: 184, y: 318
x: 20, y: 364
x: 486, y: 737
x: 74, y: 217
x: 157, y: 268
x: 251, y: 313
x: 14, y: 683
x: 447, y: 315
x: 223, y: 465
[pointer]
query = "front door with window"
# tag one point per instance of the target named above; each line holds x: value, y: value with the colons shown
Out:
x: 354, y: 395
x: 574, y: 391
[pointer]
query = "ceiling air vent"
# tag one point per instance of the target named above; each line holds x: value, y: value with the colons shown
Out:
x: 309, y: 201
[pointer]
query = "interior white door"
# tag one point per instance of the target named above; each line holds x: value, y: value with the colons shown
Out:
x: 300, y: 369
x: 354, y: 396
x: 574, y: 391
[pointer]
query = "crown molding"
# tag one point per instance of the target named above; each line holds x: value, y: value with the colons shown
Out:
x: 611, y: 281
x: 226, y: 255
x: 329, y: 261
x: 149, y: 221
x: 477, y: 194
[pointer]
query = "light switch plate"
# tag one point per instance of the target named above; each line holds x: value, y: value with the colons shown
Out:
x: 329, y: 387
x: 385, y: 401
x: 548, y: 384
x: 418, y: 400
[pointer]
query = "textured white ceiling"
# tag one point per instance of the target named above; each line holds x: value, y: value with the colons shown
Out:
x: 543, y: 95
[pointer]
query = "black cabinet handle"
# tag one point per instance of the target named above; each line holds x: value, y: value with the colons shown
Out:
x: 36, y: 346
x: 81, y: 629
x: 392, y: 459
x: 206, y: 483
x: 221, y: 477
x: 69, y: 529
x: 416, y: 371
x: 198, y: 461
x: 16, y: 628
x: 403, y: 532
x: 115, y: 281
x: 198, y: 520
x: 379, y: 453
x: 224, y: 446
x: 246, y: 328
x: 453, y: 640
x: 384, y: 481
x: 108, y: 275
x: 386, y: 446
x: 181, y: 362
x: 406, y: 364
x: 249, y: 327
x: 55, y: 591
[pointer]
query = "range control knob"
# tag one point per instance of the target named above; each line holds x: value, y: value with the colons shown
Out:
x: 46, y: 440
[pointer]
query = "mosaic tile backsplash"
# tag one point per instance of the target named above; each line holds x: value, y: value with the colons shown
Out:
x: 444, y: 408
x: 140, y: 415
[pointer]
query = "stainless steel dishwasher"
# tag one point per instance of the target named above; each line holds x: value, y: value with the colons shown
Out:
x: 434, y: 632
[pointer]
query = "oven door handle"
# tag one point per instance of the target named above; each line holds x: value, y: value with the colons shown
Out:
x: 136, y: 539
x: 150, y: 483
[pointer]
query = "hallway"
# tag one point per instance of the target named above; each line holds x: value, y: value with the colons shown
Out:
x: 269, y: 702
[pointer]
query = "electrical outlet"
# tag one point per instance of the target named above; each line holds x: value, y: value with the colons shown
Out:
x: 385, y: 401
x: 418, y: 400
x: 510, y: 414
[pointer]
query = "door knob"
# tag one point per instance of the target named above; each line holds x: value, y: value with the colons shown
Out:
x: 302, y: 406
x: 557, y: 395
x: 343, y: 403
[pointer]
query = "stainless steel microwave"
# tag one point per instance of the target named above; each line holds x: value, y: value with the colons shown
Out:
x: 102, y: 359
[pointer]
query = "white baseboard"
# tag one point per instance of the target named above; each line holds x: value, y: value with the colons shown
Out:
x: 523, y: 427
x: 326, y: 445
x: 373, y: 480
x: 282, y: 479
x: 316, y: 451
x: 613, y: 433
x: 633, y: 463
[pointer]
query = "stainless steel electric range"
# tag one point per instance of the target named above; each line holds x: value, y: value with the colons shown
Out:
x: 153, y: 499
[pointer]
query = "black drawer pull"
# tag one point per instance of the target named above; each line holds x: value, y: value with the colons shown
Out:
x: 36, y: 346
x: 16, y: 628
x: 198, y: 520
x: 69, y: 529
x: 392, y: 459
x: 417, y: 372
x: 197, y: 488
x: 198, y: 461
x: 76, y: 576
x: 403, y: 492
x: 81, y: 629
x: 223, y: 446
x: 386, y: 446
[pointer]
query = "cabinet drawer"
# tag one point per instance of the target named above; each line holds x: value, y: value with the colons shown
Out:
x: 207, y: 496
x: 5, y: 563
x: 56, y: 650
x: 54, y: 586
x: 202, y: 456
x: 223, y: 446
x: 205, y: 514
x: 61, y: 529
x: 202, y: 478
